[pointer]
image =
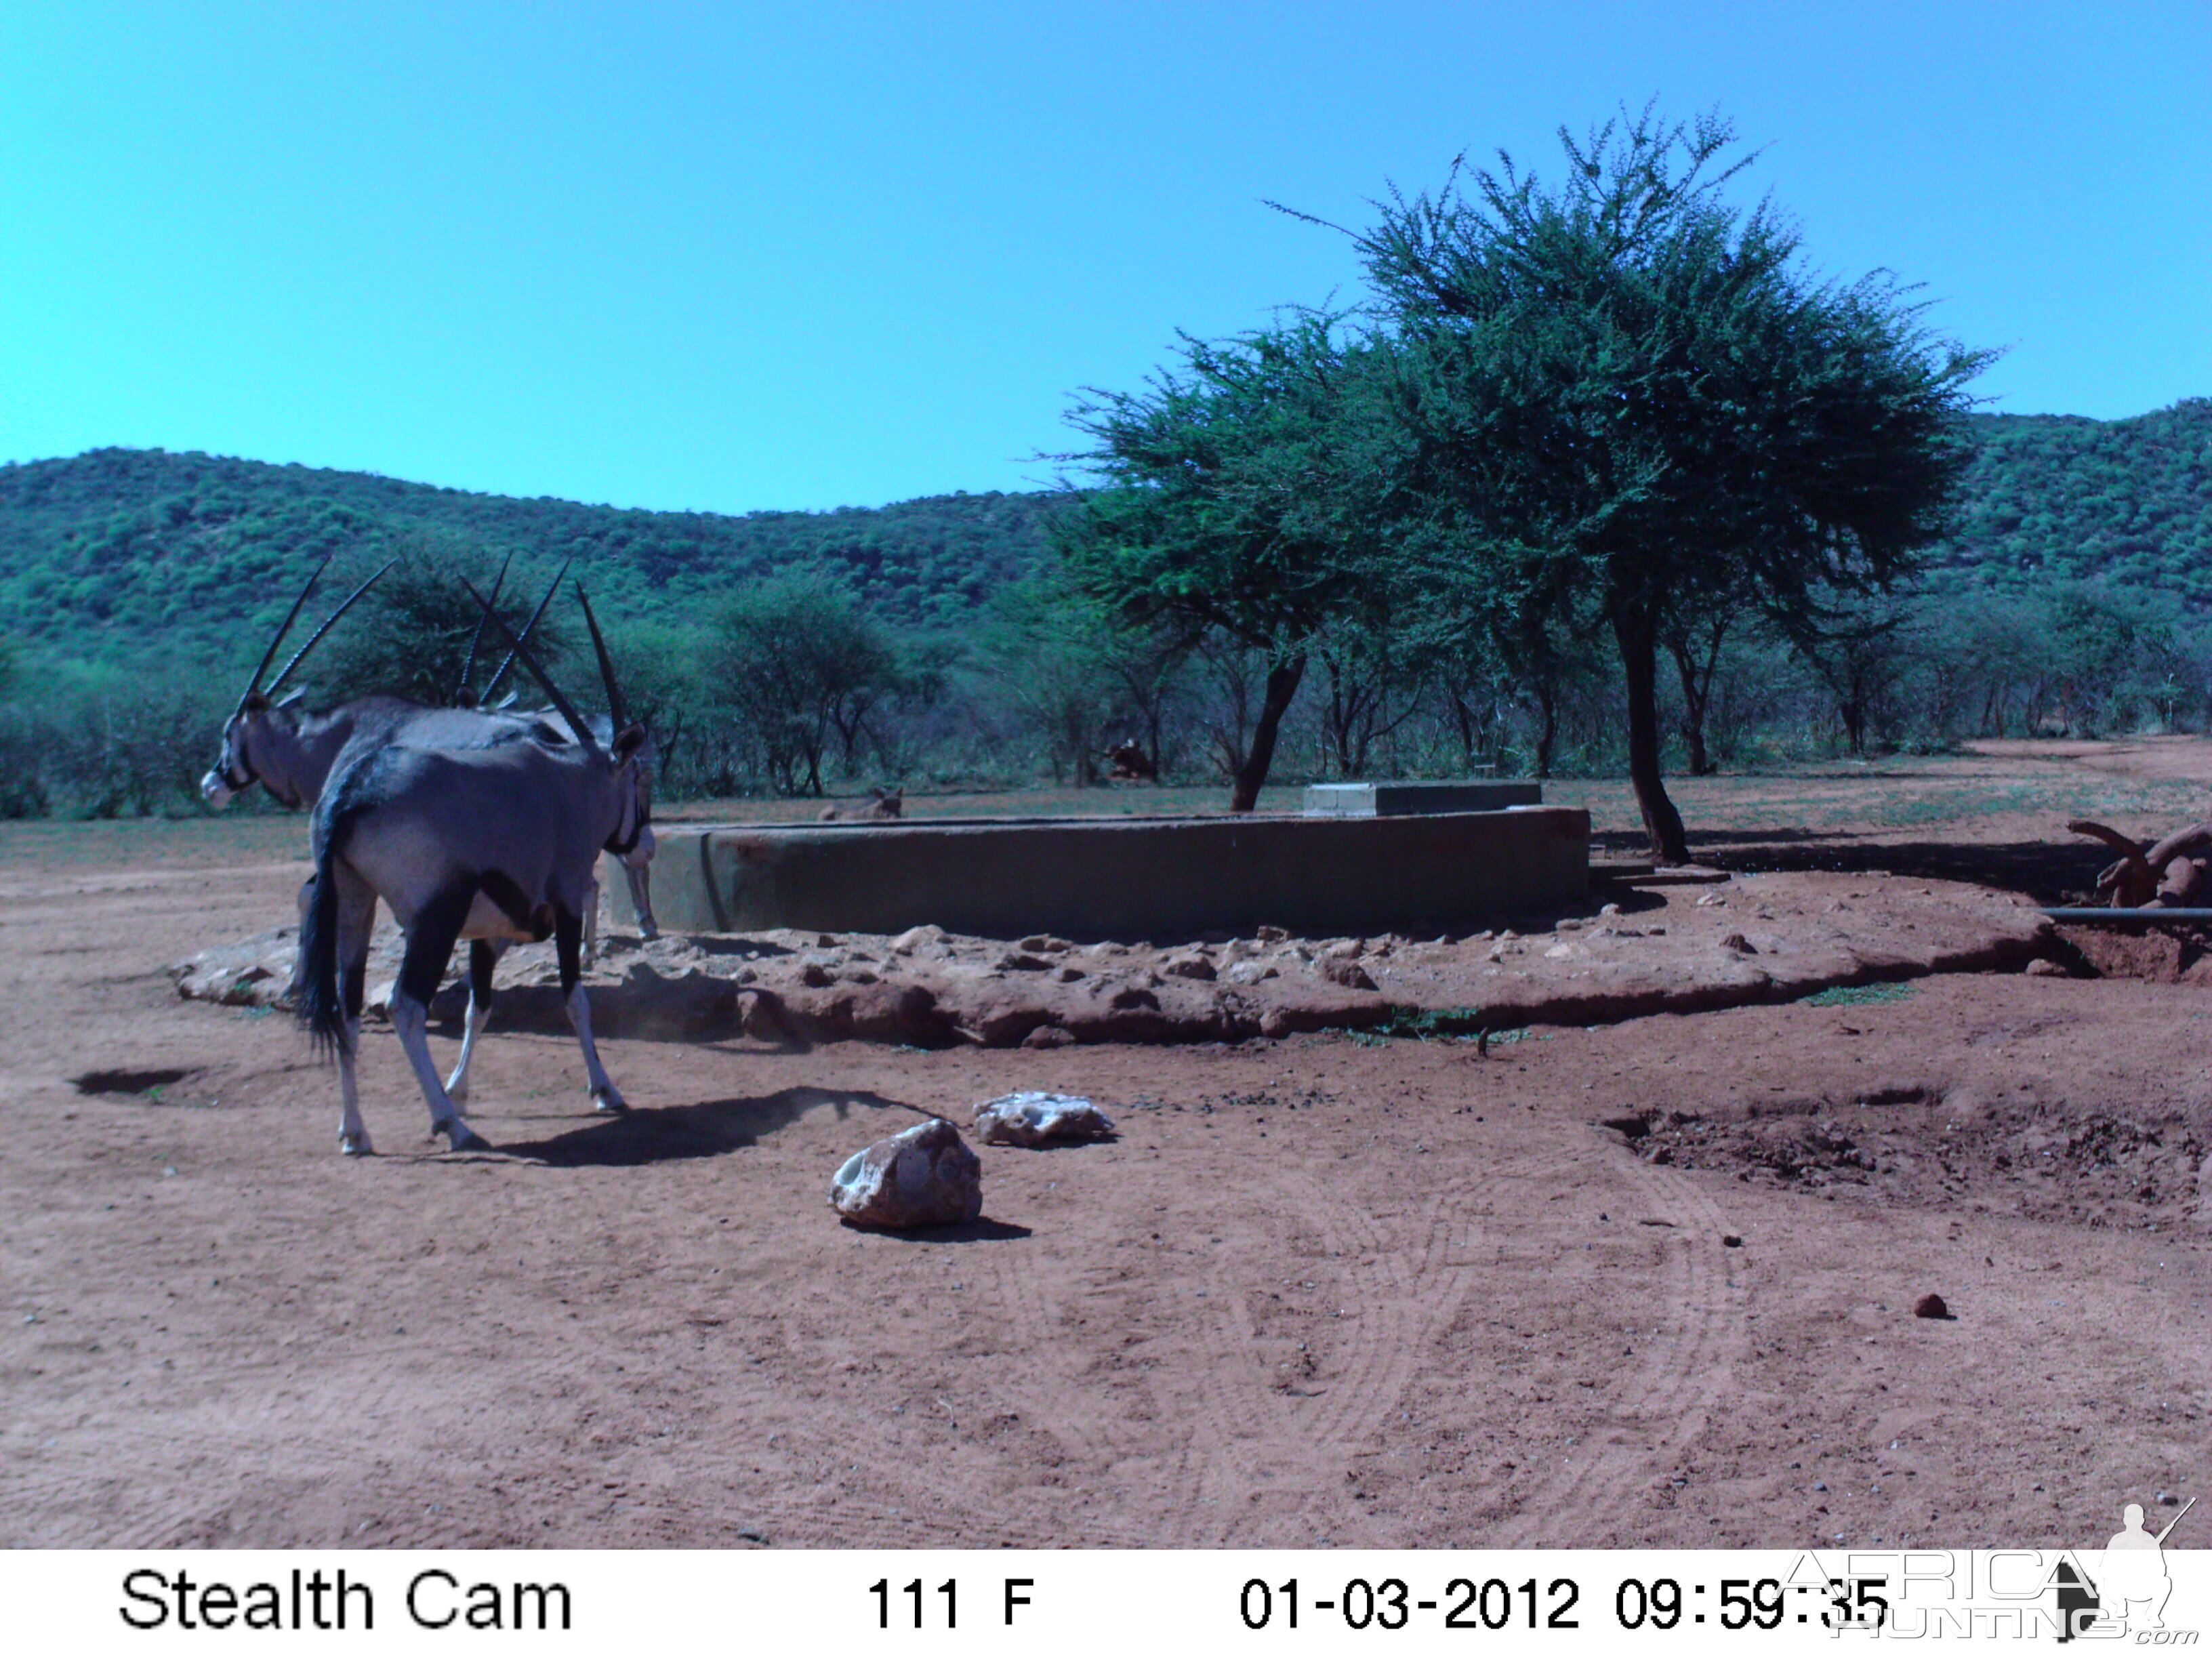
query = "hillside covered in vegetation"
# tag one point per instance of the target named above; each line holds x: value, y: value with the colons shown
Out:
x: 119, y: 555
x: 2056, y: 498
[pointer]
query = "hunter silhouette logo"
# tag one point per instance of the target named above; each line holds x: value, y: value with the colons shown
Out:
x: 2131, y: 1586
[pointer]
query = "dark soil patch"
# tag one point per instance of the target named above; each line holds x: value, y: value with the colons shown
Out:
x: 1932, y: 1147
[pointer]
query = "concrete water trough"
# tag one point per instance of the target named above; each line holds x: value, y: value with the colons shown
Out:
x: 1122, y: 878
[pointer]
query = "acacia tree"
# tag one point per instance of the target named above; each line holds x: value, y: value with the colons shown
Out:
x: 1245, y: 496
x: 1626, y: 379
x: 419, y: 633
x: 801, y: 665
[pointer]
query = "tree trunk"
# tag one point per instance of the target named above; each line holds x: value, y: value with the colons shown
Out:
x: 1697, y: 697
x: 1852, y: 706
x: 1282, y: 685
x: 1633, y: 628
x: 1547, y: 730
x: 1470, y: 730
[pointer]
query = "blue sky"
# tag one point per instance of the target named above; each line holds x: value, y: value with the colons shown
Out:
x: 739, y: 257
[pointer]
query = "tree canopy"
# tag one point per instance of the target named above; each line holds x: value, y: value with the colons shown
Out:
x: 802, y: 664
x: 1627, y: 382
x: 1249, y: 495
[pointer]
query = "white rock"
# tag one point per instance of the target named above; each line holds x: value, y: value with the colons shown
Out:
x: 924, y: 1177
x: 1033, y: 1118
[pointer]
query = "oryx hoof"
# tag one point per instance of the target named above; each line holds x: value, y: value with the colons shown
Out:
x: 609, y: 1101
x: 464, y: 1138
x: 355, y: 1146
x: 457, y: 1093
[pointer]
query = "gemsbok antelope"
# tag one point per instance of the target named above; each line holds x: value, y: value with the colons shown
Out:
x: 493, y: 843
x: 292, y: 752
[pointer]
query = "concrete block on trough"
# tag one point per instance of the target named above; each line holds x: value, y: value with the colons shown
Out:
x: 1372, y: 801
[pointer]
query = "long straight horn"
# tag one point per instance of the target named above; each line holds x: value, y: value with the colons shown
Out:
x: 461, y: 692
x: 551, y: 591
x: 517, y: 649
x: 614, y: 709
x: 269, y: 656
x: 328, y: 622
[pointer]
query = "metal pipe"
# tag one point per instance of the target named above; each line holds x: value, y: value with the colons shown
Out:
x: 2121, y: 917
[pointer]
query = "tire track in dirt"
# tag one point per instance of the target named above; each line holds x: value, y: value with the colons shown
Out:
x: 1106, y: 1417
x: 883, y: 1482
x: 139, y: 1487
x: 1404, y: 1280
x: 1661, y: 1408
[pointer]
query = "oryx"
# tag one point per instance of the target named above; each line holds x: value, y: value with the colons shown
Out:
x: 273, y: 743
x: 492, y: 843
x: 634, y: 852
x: 293, y: 753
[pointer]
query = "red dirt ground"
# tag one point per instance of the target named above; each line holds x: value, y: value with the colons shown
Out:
x: 1324, y: 1290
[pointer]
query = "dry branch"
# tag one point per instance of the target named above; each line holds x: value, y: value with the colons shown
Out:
x: 2162, y: 876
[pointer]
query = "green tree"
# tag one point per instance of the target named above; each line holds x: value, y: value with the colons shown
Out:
x: 1625, y: 376
x: 1076, y: 676
x: 1244, y: 496
x: 411, y: 634
x: 1862, y: 652
x: 1047, y: 650
x: 802, y: 665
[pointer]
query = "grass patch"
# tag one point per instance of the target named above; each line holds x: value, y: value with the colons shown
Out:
x: 1435, y: 1026
x: 1847, y: 996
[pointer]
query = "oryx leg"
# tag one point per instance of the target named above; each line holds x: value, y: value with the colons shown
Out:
x: 429, y: 947
x: 592, y: 924
x: 356, y: 917
x: 567, y: 942
x: 300, y: 962
x: 640, y: 877
x: 483, y: 956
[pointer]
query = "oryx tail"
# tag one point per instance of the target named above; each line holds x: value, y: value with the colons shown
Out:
x: 322, y: 1002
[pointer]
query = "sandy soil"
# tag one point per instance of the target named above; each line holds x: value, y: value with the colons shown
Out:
x: 1649, y: 1282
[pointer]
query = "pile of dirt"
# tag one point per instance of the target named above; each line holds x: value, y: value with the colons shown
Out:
x: 1642, y: 951
x: 2168, y: 953
x: 1935, y: 1147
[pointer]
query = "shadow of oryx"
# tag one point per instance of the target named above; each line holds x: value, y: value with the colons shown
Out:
x: 707, y: 1129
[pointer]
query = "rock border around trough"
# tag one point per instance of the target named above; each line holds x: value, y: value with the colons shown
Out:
x: 1750, y: 940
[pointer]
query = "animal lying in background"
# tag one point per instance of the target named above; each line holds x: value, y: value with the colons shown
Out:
x: 493, y: 844
x: 1131, y: 764
x: 881, y: 805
